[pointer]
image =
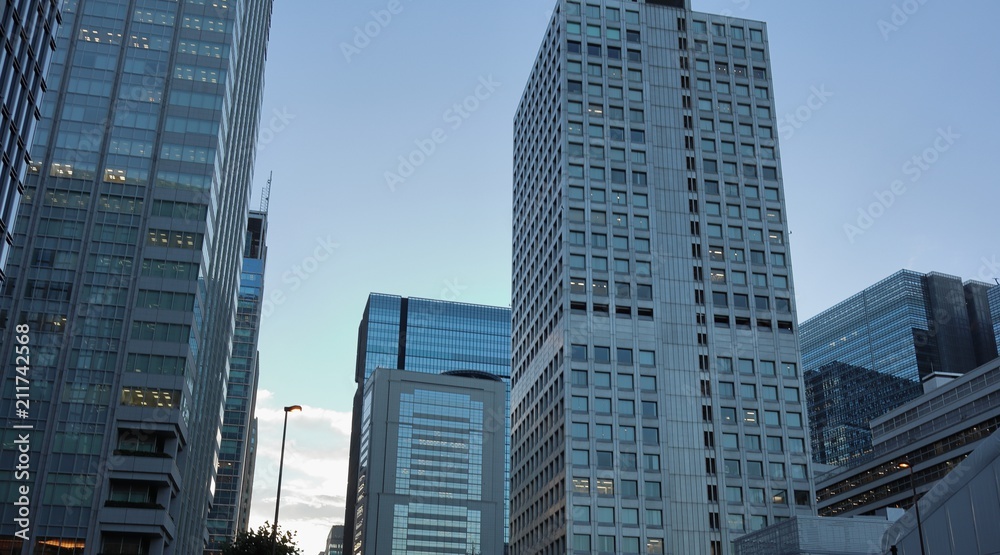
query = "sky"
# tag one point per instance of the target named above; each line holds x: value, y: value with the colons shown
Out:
x: 887, y: 123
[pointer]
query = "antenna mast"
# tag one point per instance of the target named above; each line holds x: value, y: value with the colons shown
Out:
x: 265, y: 196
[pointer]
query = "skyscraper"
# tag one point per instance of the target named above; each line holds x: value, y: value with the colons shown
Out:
x: 657, y: 404
x: 127, y: 270
x: 431, y: 466
x: 429, y: 336
x: 869, y: 354
x: 234, y: 485
x: 29, y: 28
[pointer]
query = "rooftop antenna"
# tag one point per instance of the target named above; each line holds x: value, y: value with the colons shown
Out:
x: 265, y: 196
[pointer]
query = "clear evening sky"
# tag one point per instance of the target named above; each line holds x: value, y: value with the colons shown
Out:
x: 889, y: 119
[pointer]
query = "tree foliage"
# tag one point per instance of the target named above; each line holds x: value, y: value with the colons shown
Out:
x: 259, y: 542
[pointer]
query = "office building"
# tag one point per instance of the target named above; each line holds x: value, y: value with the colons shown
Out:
x: 29, y: 28
x: 427, y: 336
x: 127, y: 264
x: 657, y: 404
x: 934, y: 433
x: 230, y: 512
x: 870, y: 353
x: 993, y: 296
x: 334, y: 541
x: 431, y: 467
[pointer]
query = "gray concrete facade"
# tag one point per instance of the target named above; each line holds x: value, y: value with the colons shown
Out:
x: 657, y: 404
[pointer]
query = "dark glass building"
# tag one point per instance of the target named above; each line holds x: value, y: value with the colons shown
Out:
x: 870, y: 353
x: 29, y: 28
x: 127, y: 269
x: 430, y: 468
x: 428, y: 336
x: 237, y: 453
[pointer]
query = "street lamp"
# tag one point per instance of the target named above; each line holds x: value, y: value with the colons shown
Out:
x: 916, y: 505
x: 281, y: 467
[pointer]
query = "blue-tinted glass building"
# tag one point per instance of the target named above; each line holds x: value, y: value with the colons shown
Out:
x: 428, y: 336
x: 430, y: 466
x: 237, y: 453
x: 869, y: 353
x: 29, y: 28
x: 126, y: 270
x: 28, y: 37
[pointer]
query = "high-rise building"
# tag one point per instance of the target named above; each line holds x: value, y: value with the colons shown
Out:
x: 334, y: 541
x: 934, y: 433
x: 870, y: 353
x: 127, y: 264
x: 29, y: 28
x: 428, y: 336
x: 657, y: 405
x: 431, y: 467
x: 230, y: 512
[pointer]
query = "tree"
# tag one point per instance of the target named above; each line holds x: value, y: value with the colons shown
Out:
x: 259, y: 542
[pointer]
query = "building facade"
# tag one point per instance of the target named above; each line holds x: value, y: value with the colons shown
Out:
x: 230, y: 512
x: 934, y: 433
x: 334, y: 541
x: 869, y: 354
x: 427, y: 336
x: 29, y: 33
x: 127, y: 264
x: 810, y: 535
x: 657, y: 403
x: 431, y: 468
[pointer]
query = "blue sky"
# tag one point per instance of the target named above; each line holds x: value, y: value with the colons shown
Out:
x: 862, y: 87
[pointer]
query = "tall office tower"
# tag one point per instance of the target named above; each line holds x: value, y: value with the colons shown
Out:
x: 423, y: 335
x: 234, y: 484
x: 128, y: 267
x: 29, y: 28
x: 431, y: 467
x: 657, y: 404
x: 869, y: 354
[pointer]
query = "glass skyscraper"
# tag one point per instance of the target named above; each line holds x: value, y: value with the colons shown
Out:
x: 29, y: 28
x: 126, y: 269
x: 869, y: 353
x: 657, y: 403
x: 431, y: 467
x: 428, y: 336
x: 230, y: 512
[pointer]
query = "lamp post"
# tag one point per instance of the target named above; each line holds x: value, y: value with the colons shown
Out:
x: 916, y: 505
x: 281, y: 468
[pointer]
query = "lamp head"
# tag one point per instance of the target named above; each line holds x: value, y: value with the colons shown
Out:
x: 904, y: 464
x: 293, y: 408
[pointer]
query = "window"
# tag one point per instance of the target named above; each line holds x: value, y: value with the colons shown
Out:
x: 774, y: 444
x: 776, y: 470
x: 650, y: 436
x: 579, y: 352
x: 649, y: 409
x: 602, y: 432
x: 581, y: 542
x: 792, y: 394
x: 728, y: 415
x: 579, y: 378
x: 724, y: 365
x: 602, y: 405
x: 734, y: 494
x: 732, y: 467
x: 794, y: 419
x: 752, y: 442
x: 755, y: 495
x: 626, y: 407
x: 748, y: 391
x: 580, y: 430
x: 750, y: 417
x: 772, y: 418
x: 580, y: 403
x: 755, y: 469
x: 651, y: 462
x: 605, y: 459
x: 727, y: 390
x: 647, y: 383
x: 581, y: 457
x: 626, y: 381
x: 796, y: 445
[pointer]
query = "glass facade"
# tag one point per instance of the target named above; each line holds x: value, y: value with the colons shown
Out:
x: 429, y: 474
x: 868, y: 354
x: 428, y: 336
x: 29, y: 28
x: 127, y: 268
x: 237, y: 453
x: 654, y: 333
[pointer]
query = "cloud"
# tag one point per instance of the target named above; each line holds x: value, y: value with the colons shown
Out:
x: 314, y: 480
